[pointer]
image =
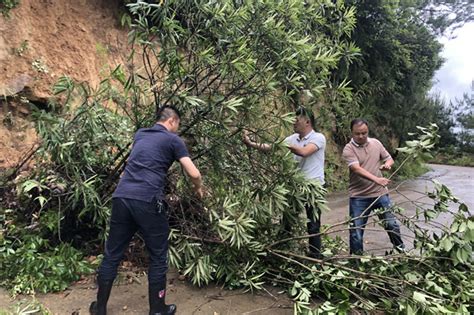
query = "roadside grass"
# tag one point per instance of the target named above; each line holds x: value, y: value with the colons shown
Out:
x: 451, y: 157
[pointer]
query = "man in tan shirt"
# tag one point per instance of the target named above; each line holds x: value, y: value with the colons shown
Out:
x: 367, y: 187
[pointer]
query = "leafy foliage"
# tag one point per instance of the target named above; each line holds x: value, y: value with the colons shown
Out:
x: 7, y: 5
x: 78, y: 150
x: 64, y: 201
x: 25, y: 307
x: 445, y: 15
x: 391, y: 79
x: 202, y: 69
x: 31, y: 264
x: 464, y: 109
x: 246, y: 68
x: 244, y: 65
x: 456, y: 123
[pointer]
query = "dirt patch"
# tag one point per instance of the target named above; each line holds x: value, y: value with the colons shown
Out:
x: 49, y: 38
x: 44, y: 40
x: 132, y: 298
x: 17, y: 133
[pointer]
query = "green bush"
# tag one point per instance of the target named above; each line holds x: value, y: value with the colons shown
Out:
x: 63, y: 203
x: 33, y: 265
x: 7, y: 5
x: 453, y: 156
x: 229, y: 66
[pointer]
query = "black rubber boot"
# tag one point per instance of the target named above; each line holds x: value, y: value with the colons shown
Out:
x: 99, y: 307
x: 156, y: 297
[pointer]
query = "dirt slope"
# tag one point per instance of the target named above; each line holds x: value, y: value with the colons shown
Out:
x: 43, y: 40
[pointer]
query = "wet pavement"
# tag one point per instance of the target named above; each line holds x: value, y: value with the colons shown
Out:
x: 410, y: 195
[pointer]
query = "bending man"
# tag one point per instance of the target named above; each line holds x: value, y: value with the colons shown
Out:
x: 139, y: 205
x: 367, y: 186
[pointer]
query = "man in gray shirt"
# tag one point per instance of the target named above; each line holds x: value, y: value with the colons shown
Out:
x: 308, y: 148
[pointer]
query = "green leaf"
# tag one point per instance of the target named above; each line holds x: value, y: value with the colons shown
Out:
x: 447, y: 244
x: 42, y: 200
x: 420, y: 297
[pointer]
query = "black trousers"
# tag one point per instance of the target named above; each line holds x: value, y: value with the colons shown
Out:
x: 128, y: 217
x: 313, y: 227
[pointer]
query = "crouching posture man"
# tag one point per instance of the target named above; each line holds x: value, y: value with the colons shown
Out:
x: 367, y: 187
x: 138, y: 205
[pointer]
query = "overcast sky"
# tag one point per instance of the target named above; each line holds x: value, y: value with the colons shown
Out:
x: 457, y: 73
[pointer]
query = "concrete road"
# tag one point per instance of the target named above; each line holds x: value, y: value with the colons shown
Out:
x: 410, y: 195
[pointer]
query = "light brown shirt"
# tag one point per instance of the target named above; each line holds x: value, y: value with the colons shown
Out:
x: 368, y: 156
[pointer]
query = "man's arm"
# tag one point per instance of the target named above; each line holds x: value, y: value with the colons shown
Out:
x: 385, y: 157
x: 264, y: 147
x: 356, y: 168
x: 387, y: 165
x: 305, y: 151
x: 193, y: 173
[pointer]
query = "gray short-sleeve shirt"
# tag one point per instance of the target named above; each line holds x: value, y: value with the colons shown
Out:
x: 312, y: 166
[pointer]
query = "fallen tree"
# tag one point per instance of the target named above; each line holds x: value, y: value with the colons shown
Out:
x: 228, y: 67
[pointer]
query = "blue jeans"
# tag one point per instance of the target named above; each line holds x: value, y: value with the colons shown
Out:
x: 128, y: 217
x: 359, y: 216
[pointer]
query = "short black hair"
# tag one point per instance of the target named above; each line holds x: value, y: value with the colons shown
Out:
x: 359, y: 121
x: 302, y: 111
x: 167, y: 111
